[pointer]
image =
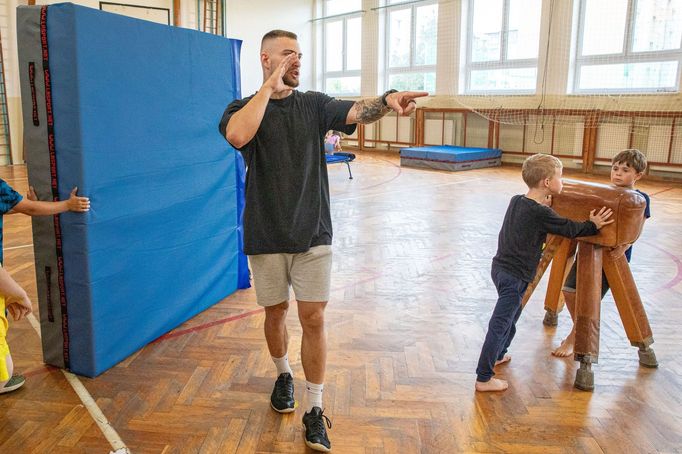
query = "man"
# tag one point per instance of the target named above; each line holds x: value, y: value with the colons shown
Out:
x: 287, y: 222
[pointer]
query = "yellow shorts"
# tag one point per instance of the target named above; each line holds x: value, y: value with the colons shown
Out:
x: 4, y: 348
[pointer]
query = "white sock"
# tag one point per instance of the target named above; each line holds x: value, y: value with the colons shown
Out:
x: 283, y: 365
x: 313, y: 395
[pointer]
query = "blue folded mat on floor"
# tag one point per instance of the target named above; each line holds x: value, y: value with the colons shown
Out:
x: 450, y: 153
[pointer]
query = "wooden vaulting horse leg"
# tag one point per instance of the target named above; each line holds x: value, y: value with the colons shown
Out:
x: 591, y: 261
x: 560, y: 266
x: 588, y: 308
x: 558, y: 251
x: 630, y: 308
x: 552, y: 245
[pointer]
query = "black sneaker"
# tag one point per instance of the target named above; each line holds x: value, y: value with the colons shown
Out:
x: 15, y: 382
x: 315, y: 432
x: 282, y: 398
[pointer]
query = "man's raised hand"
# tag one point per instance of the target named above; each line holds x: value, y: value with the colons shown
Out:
x: 276, y: 79
x: 403, y: 102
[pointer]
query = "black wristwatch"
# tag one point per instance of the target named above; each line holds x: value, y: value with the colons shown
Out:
x: 383, y: 97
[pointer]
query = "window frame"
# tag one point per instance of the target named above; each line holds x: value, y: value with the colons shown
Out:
x: 344, y: 72
x: 411, y: 68
x: 502, y: 62
x: 626, y: 56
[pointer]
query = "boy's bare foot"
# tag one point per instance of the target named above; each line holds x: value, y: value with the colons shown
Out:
x: 505, y: 359
x: 566, y: 347
x: 494, y: 384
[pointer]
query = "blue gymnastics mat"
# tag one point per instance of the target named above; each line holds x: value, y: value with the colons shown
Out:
x: 448, y: 157
x: 126, y: 110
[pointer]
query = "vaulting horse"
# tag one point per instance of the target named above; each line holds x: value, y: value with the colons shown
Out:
x: 575, y: 202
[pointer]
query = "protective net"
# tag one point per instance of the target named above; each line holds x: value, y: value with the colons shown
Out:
x: 523, y: 75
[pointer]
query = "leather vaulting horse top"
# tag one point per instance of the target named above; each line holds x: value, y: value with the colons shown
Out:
x: 578, y: 198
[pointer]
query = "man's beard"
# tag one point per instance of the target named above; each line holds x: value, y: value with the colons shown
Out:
x: 290, y: 81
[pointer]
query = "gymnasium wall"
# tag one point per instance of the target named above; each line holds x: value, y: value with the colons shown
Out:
x: 249, y: 20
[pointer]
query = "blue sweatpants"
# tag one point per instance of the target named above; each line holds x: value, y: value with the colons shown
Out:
x: 502, y: 326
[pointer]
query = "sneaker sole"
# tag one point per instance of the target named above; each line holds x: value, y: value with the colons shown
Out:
x: 316, y: 446
x: 11, y: 388
x: 286, y: 410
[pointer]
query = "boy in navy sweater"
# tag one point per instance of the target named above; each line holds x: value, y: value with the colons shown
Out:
x: 528, y: 221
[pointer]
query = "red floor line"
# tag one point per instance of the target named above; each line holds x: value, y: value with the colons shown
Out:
x: 44, y: 369
x: 442, y: 257
x: 381, y: 183
x: 376, y: 184
x: 661, y: 191
x: 204, y: 326
x: 233, y: 318
x: 362, y: 281
x: 678, y: 277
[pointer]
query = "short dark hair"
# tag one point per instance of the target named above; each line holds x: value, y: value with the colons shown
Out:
x: 633, y: 158
x: 274, y: 34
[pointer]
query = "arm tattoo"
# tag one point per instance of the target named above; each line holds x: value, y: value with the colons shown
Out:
x: 369, y: 110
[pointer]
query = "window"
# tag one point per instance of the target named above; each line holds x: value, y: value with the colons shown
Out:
x: 503, y: 38
x: 411, y: 38
x: 628, y: 46
x: 342, y: 37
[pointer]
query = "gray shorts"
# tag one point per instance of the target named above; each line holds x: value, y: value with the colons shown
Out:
x: 309, y: 273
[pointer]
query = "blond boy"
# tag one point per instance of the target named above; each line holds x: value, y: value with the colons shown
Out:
x: 526, y: 224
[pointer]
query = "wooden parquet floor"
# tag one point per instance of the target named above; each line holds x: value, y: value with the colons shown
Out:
x: 410, y: 303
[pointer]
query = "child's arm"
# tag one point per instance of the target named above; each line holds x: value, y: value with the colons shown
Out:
x: 33, y: 207
x: 558, y: 225
x: 17, y: 301
x: 618, y: 250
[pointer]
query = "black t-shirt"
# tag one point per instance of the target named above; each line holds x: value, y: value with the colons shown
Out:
x: 525, y: 230
x: 287, y: 190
